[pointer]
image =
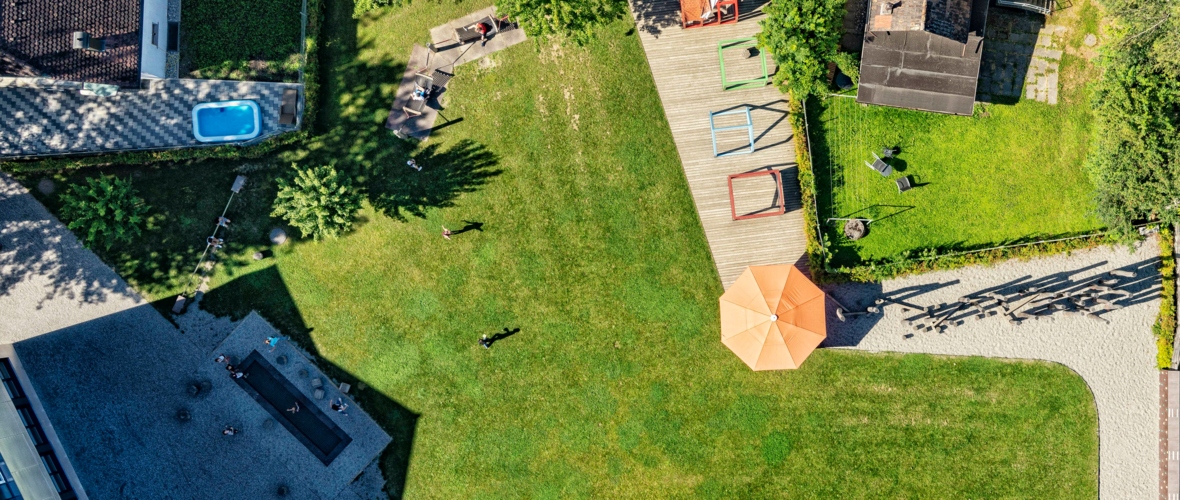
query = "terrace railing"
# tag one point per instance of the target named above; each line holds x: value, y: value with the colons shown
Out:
x: 1040, y: 6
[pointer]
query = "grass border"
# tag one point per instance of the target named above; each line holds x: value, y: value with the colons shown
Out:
x: 819, y: 257
x: 1165, y: 324
x: 310, y: 109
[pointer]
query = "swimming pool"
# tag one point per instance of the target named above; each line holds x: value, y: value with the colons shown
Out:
x: 226, y: 121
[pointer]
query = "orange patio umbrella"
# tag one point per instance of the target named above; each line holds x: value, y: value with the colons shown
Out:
x: 773, y: 317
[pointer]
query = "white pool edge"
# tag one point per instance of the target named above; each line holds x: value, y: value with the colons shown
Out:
x: 225, y: 104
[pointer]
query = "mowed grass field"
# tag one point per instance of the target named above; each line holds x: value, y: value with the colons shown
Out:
x: 616, y: 385
x: 1011, y: 173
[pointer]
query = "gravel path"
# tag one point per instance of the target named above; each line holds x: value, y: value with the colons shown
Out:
x: 1116, y: 359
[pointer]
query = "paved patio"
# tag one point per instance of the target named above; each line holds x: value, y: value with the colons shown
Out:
x: 1115, y: 358
x: 57, y: 121
x: 447, y: 54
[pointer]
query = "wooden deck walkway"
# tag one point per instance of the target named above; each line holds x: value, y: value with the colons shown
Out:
x: 687, y: 72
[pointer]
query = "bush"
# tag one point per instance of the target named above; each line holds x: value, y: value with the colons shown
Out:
x: 1165, y: 325
x: 804, y: 36
x: 226, y: 39
x: 362, y: 7
x: 1137, y: 148
x: 106, y: 210
x: 576, y: 19
x: 317, y: 201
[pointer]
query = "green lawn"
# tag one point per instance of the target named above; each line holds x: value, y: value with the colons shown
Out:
x: 229, y: 39
x: 1008, y: 174
x: 617, y: 385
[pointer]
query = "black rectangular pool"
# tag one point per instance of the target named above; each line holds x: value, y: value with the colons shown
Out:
x: 275, y: 393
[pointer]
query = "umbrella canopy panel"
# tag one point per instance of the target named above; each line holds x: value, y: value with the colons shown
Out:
x: 773, y: 317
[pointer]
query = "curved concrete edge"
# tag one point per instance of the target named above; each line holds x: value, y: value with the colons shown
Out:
x: 1116, y: 360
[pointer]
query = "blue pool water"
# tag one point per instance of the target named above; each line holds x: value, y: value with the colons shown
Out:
x: 225, y: 121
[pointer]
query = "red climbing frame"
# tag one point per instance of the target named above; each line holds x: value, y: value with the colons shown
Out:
x: 778, y: 181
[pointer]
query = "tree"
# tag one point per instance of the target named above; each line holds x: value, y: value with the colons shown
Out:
x: 576, y: 19
x: 1135, y: 161
x: 105, y: 209
x: 317, y: 201
x: 804, y: 36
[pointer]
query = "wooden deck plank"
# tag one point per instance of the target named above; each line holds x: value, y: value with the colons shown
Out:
x: 687, y: 74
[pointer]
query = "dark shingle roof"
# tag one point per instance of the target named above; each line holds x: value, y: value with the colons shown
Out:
x: 928, y: 69
x: 39, y: 33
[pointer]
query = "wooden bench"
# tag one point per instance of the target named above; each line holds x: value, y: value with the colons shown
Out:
x: 290, y: 107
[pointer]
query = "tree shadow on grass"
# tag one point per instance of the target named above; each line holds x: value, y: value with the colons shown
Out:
x: 397, y: 190
x: 266, y: 292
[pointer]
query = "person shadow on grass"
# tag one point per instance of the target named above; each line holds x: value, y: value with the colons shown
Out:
x: 470, y: 226
x: 487, y: 342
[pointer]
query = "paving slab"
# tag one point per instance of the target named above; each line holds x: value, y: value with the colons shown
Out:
x: 57, y: 121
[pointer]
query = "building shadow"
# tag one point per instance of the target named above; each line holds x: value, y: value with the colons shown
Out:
x: 265, y: 292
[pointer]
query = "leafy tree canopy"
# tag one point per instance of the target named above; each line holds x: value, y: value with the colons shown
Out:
x: 804, y: 36
x: 318, y: 201
x: 105, y: 210
x: 576, y: 19
x: 1135, y: 162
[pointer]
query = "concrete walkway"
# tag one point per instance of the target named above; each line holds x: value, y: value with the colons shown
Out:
x: 1117, y: 360
x: 686, y: 68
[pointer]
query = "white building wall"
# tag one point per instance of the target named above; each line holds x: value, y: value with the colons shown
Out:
x: 153, y: 58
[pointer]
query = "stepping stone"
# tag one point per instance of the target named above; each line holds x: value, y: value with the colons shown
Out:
x: 46, y: 186
x: 318, y: 394
x: 1090, y: 40
x: 278, y: 236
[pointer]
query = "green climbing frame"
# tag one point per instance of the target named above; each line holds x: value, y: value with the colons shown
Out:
x: 742, y: 44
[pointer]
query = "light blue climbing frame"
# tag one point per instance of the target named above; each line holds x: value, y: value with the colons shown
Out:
x: 749, y: 126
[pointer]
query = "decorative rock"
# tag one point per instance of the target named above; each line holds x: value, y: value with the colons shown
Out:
x: 316, y: 382
x: 282, y: 360
x: 360, y: 386
x: 855, y: 229
x: 268, y: 423
x: 1090, y: 40
x: 46, y: 186
x: 183, y: 415
x: 257, y: 255
x: 318, y: 393
x: 278, y: 236
x: 344, y: 387
x: 302, y: 372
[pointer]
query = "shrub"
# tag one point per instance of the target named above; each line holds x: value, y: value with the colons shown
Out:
x: 317, y: 201
x: 1137, y: 146
x: 1165, y: 324
x: 576, y: 19
x: 105, y: 210
x: 362, y: 7
x: 804, y: 36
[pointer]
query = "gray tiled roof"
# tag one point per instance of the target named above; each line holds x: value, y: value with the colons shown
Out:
x: 39, y: 32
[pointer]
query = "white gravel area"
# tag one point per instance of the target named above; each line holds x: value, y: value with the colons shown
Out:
x: 1116, y: 359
